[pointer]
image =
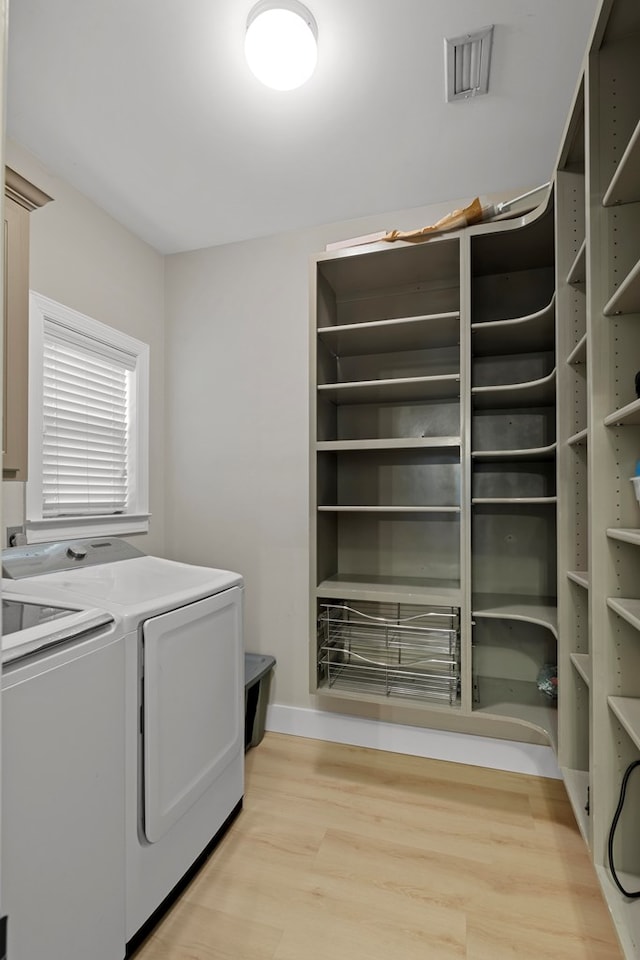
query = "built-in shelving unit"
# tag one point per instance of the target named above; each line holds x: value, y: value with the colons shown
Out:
x: 387, y: 477
x: 433, y: 410
x: 598, y: 295
x: 513, y: 474
x: 475, y: 425
x: 574, y: 650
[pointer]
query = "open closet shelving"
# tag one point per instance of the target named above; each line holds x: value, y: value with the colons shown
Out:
x: 574, y: 660
x: 612, y: 148
x: 434, y: 440
x: 474, y: 429
x: 387, y: 475
x: 513, y: 473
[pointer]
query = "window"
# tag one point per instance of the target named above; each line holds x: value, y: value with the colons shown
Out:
x: 88, y: 426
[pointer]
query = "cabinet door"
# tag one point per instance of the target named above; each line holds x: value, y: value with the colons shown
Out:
x: 16, y: 341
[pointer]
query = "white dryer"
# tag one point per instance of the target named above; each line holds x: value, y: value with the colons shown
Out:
x: 184, y: 700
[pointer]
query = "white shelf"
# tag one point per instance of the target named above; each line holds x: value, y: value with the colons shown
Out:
x: 579, y: 353
x: 391, y: 589
x: 628, y: 535
x: 582, y: 663
x: 629, y: 414
x: 481, y: 500
x: 578, y: 270
x: 576, y: 783
x: 625, y: 183
x: 536, y: 453
x: 534, y: 393
x: 388, y: 391
x: 629, y: 610
x: 540, y: 610
x: 376, y: 508
x: 578, y: 438
x: 520, y: 700
x: 385, y: 336
x: 536, y: 331
x: 403, y: 443
x: 627, y: 710
x: 626, y: 299
x: 580, y: 577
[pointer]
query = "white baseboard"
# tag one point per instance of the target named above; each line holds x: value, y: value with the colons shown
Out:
x: 416, y: 741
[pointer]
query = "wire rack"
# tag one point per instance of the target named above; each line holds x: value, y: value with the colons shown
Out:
x: 390, y: 649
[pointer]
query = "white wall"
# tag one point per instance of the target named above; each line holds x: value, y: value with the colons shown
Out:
x: 83, y: 258
x: 237, y: 427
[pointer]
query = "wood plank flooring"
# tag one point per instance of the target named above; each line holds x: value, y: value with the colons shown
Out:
x: 343, y: 853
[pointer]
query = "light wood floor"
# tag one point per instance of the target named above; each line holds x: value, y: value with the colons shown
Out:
x: 343, y: 853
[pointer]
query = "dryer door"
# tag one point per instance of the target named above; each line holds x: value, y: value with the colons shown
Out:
x: 193, y: 691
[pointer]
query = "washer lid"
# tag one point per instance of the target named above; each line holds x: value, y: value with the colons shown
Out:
x: 30, y: 627
x: 134, y: 588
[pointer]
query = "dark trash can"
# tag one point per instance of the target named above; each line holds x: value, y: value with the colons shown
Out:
x: 257, y: 681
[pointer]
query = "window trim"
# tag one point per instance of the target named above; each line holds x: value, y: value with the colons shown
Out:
x: 41, y: 529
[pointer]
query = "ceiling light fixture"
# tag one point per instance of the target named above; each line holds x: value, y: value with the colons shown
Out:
x: 281, y: 43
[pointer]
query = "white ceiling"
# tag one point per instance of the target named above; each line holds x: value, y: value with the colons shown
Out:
x: 147, y: 107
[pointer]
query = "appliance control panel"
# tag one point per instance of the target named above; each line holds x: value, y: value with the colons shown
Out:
x: 39, y: 558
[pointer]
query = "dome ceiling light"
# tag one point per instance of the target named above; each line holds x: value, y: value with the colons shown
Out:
x: 281, y: 43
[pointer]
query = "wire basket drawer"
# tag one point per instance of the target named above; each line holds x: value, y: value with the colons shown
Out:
x: 401, y: 650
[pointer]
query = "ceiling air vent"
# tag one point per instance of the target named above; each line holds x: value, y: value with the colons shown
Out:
x: 467, y: 64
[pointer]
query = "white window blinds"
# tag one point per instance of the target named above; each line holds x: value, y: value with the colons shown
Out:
x: 86, y: 426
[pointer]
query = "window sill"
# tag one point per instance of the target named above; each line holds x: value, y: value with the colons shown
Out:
x: 69, y: 528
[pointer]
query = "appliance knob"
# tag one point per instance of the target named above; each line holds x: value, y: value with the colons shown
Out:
x: 76, y: 553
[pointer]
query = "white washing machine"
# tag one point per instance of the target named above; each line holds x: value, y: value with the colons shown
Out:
x: 184, y: 700
x: 63, y: 815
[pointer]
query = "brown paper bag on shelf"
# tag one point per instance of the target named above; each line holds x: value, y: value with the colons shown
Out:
x: 473, y: 213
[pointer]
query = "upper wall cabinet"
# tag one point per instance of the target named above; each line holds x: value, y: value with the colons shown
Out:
x: 21, y: 197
